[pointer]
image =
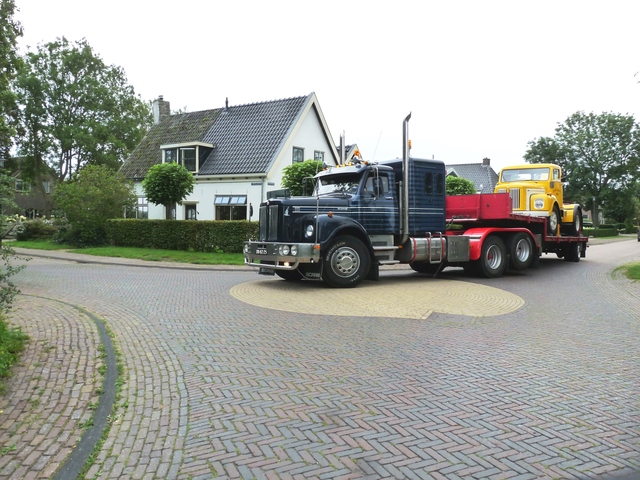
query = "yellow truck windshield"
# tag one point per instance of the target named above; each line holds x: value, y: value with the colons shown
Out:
x: 525, y: 175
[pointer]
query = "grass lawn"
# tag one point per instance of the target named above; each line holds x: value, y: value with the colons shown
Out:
x: 150, y: 254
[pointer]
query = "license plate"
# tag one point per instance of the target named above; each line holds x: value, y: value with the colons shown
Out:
x: 261, y: 251
x: 266, y: 271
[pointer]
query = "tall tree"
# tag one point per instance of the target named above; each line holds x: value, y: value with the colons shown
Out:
x: 77, y: 110
x: 599, y: 156
x: 10, y: 30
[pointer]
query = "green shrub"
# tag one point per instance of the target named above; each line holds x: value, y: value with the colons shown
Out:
x: 12, y: 342
x: 610, y: 231
x: 36, y: 229
x: 198, y: 236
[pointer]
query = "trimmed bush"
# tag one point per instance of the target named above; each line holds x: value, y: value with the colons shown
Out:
x: 198, y: 236
x: 35, y: 230
x: 610, y: 231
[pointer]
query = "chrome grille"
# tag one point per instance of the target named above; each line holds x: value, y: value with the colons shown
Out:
x: 515, y: 198
x: 263, y: 224
x: 273, y: 223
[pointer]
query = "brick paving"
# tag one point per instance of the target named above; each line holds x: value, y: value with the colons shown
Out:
x: 215, y: 387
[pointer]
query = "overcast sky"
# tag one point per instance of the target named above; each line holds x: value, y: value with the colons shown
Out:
x: 481, y: 78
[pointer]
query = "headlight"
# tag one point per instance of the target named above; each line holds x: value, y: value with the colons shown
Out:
x: 294, y: 250
x: 309, y: 231
x: 284, y: 250
x: 538, y: 204
x: 246, y: 248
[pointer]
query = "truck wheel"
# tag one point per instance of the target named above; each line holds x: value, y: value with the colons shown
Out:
x: 574, y: 228
x: 553, y: 221
x: 289, y: 275
x: 572, y: 252
x: 346, y: 262
x: 493, y: 259
x: 424, y: 267
x: 520, y: 248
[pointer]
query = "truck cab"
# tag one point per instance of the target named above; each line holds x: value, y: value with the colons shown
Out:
x: 537, y: 190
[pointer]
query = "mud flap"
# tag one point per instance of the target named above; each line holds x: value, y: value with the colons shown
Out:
x: 374, y: 272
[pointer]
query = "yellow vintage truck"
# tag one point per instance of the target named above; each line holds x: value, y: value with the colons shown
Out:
x: 536, y: 190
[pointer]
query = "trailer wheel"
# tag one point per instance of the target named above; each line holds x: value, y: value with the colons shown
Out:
x: 520, y: 248
x: 424, y: 267
x: 574, y: 228
x: 346, y: 263
x: 572, y: 252
x: 289, y: 275
x: 493, y: 259
x: 553, y: 221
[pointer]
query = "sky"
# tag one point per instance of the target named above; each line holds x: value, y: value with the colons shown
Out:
x: 480, y: 78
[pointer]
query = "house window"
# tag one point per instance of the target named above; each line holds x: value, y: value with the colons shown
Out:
x: 140, y: 210
x: 190, y: 212
x: 22, y: 186
x: 231, y: 207
x: 188, y: 158
x: 171, y: 155
x: 318, y: 156
x: 46, y: 185
x: 298, y: 154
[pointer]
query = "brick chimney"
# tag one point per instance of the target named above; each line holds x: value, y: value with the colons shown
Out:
x: 161, y: 109
x: 486, y: 161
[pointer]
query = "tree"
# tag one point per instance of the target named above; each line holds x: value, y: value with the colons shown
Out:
x: 459, y: 186
x: 599, y: 156
x: 167, y: 184
x: 10, y: 30
x: 76, y: 110
x: 92, y: 196
x: 294, y: 175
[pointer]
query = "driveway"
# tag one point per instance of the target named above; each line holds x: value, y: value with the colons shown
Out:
x: 230, y: 375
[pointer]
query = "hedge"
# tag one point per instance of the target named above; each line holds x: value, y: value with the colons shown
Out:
x: 610, y: 231
x: 227, y: 236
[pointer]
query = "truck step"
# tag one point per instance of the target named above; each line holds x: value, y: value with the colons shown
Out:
x: 388, y: 262
x: 384, y: 248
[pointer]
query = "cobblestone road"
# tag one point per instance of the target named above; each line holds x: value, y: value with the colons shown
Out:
x: 541, y: 382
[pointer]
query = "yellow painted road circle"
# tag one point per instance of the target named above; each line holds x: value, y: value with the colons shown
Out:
x: 391, y: 297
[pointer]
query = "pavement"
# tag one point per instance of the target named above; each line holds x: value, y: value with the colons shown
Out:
x: 58, y: 402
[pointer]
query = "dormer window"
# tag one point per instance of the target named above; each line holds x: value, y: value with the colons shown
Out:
x: 190, y: 155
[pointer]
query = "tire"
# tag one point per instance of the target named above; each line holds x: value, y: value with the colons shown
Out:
x: 520, y: 249
x: 553, y: 221
x: 346, y: 263
x: 574, y: 228
x: 572, y: 252
x: 493, y: 259
x: 289, y: 275
x: 424, y: 267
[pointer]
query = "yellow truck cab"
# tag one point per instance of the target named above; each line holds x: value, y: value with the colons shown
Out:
x: 536, y: 189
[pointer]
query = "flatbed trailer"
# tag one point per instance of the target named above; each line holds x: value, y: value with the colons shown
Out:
x: 481, y: 215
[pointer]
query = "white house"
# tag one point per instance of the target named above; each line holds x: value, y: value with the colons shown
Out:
x: 236, y: 153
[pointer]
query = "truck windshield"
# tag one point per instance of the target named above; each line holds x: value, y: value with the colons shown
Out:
x: 342, y: 184
x: 525, y: 174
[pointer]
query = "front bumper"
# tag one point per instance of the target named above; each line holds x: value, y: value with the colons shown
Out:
x: 270, y: 255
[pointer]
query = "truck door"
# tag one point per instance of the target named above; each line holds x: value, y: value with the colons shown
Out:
x: 379, y: 211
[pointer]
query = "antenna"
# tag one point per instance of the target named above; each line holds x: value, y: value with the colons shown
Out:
x: 376, y: 149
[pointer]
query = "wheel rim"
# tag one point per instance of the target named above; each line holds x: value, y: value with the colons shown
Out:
x: 345, y: 262
x: 493, y: 257
x: 523, y: 250
x: 553, y: 221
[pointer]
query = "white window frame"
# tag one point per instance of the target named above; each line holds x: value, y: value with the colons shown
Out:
x: 179, y: 147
